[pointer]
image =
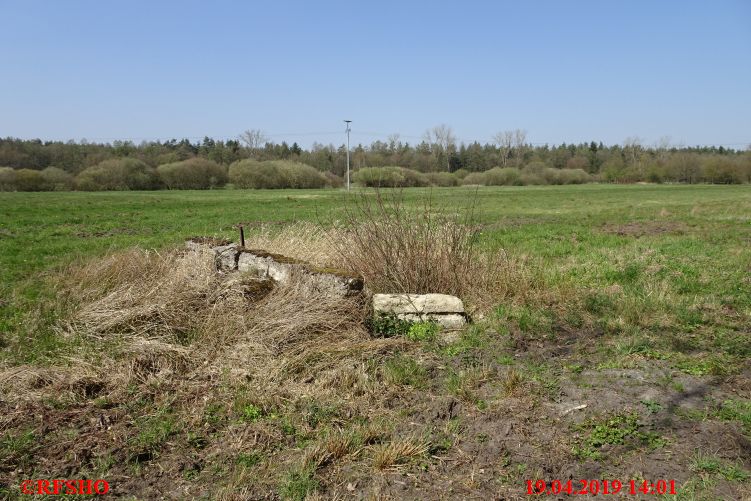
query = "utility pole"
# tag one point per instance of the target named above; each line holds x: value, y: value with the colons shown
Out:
x: 348, y: 129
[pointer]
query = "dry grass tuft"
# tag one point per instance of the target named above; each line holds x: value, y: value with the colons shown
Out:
x: 170, y: 296
x: 398, y: 453
x: 157, y: 316
x: 513, y: 382
x: 30, y: 383
x: 304, y: 241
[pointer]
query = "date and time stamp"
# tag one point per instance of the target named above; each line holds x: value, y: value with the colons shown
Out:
x: 539, y: 487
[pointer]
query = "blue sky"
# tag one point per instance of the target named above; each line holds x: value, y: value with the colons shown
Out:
x: 564, y: 71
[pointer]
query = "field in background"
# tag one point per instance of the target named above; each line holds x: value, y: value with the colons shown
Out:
x: 641, y: 308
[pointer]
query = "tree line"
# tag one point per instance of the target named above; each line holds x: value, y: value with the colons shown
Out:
x: 438, y: 159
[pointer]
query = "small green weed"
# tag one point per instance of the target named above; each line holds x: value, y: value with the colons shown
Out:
x: 388, y: 325
x: 316, y: 413
x: 713, y: 465
x: 297, y: 484
x: 423, y: 331
x: 597, y: 303
x: 472, y: 338
x: 736, y: 410
x: 616, y: 430
x: 17, y: 448
x: 154, y: 431
x: 251, y: 413
x: 652, y: 406
x: 213, y: 414
x: 248, y: 459
x: 404, y: 370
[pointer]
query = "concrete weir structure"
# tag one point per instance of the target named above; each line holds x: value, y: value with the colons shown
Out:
x: 281, y: 269
x: 446, y: 310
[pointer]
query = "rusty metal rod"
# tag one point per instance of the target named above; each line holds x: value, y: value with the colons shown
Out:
x: 242, y: 236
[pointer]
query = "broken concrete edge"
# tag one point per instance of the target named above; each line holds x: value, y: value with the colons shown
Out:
x: 233, y: 257
x: 208, y: 241
x: 279, y: 258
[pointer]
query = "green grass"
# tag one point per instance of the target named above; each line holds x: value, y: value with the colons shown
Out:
x: 712, y: 465
x: 297, y: 484
x: 405, y: 371
x: 619, y: 277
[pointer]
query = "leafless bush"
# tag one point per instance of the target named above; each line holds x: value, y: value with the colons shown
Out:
x: 399, y: 249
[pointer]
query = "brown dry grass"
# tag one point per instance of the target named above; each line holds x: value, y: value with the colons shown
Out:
x: 154, y: 316
x: 303, y: 240
x: 398, y: 453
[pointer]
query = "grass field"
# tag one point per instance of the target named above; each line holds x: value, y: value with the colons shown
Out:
x: 634, y: 301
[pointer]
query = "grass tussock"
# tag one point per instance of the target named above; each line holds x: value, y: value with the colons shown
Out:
x: 174, y: 297
x: 398, y: 453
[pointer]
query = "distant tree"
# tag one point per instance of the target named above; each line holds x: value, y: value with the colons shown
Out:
x: 443, y: 140
x: 511, y: 143
x: 253, y: 139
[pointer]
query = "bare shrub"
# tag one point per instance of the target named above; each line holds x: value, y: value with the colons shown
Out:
x: 401, y: 250
x: 443, y: 179
x: 29, y: 180
x: 506, y: 176
x: 57, y: 179
x: 118, y: 174
x: 474, y: 178
x: 7, y: 179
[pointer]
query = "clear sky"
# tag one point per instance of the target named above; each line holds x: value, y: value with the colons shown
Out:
x: 566, y: 71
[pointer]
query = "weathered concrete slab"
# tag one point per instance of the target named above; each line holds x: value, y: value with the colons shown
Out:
x: 225, y: 252
x: 449, y: 321
x: 337, y: 282
x: 444, y: 309
x: 281, y: 269
x: 267, y: 265
x: 417, y: 303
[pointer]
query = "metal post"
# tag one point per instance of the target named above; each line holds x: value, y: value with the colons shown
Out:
x: 348, y: 129
x: 242, y: 237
